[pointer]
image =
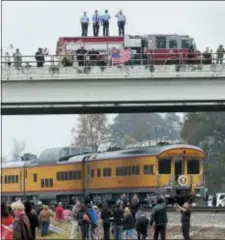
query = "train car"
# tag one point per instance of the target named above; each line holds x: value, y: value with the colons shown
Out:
x: 173, y: 170
x: 44, y: 178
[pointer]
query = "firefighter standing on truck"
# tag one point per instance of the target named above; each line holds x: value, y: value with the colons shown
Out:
x: 84, y: 21
x: 159, y: 217
x: 121, y: 21
x: 96, y: 19
x: 105, y: 22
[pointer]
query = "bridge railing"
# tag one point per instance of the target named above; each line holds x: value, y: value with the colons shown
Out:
x: 106, y: 59
x: 54, y: 67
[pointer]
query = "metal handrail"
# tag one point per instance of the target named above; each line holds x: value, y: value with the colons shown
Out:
x: 154, y: 58
x: 112, y: 72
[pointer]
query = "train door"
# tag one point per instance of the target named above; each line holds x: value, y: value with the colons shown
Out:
x: 178, y: 166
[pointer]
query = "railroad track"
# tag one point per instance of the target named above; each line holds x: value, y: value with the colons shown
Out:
x: 197, y: 209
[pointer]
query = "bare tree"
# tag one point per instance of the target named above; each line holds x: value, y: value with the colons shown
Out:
x: 90, y: 130
x: 18, y: 148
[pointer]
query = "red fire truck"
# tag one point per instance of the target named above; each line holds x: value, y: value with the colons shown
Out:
x: 160, y: 49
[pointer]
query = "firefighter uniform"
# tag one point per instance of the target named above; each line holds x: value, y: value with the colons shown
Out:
x: 121, y: 21
x: 105, y: 22
x: 84, y: 25
x: 96, y: 19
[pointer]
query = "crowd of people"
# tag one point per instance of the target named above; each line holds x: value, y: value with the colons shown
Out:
x: 124, y: 220
x: 83, y: 57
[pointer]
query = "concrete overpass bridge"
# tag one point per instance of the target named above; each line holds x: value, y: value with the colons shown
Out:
x: 112, y: 89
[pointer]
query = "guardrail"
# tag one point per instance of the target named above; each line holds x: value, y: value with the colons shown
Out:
x: 105, y: 59
x: 106, y: 72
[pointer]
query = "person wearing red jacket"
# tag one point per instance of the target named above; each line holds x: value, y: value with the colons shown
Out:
x: 59, y: 213
x: 7, y: 221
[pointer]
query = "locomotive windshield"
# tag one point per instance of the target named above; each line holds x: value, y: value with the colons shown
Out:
x: 193, y: 166
x: 164, y: 166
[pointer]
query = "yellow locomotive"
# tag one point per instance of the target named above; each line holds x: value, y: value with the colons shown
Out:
x: 64, y: 173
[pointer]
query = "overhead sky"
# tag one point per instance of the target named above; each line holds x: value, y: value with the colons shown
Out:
x: 29, y: 25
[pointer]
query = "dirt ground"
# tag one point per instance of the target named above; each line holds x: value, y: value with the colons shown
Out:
x: 172, y: 233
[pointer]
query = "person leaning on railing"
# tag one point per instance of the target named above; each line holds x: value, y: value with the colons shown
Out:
x: 207, y: 56
x: 68, y: 60
x: 220, y: 54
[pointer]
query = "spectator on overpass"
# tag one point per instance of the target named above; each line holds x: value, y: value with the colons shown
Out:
x: 40, y: 57
x: 80, y: 53
x: 220, y: 54
x: 17, y: 57
x: 7, y: 60
x: 207, y: 56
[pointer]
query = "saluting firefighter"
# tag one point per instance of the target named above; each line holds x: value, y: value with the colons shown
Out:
x: 121, y: 20
x: 105, y: 22
x: 96, y: 19
x: 84, y: 21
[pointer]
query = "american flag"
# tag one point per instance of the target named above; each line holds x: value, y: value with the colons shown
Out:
x: 121, y: 57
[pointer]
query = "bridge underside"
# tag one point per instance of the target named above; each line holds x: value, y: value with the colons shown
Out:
x: 110, y: 107
x: 78, y: 96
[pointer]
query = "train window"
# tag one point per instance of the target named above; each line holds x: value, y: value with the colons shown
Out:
x: 66, y: 176
x: 129, y: 171
x: 107, y: 172
x: 99, y: 172
x: 118, y: 171
x: 1, y: 179
x: 34, y: 177
x: 62, y: 177
x: 9, y: 179
x: 92, y: 173
x: 161, y: 42
x: 70, y: 175
x: 58, y: 176
x: 74, y: 175
x: 164, y: 166
x: 46, y: 182
x: 13, y: 178
x: 50, y: 182
x: 148, y: 169
x: 135, y: 170
x: 79, y: 175
x: 6, y: 179
x: 42, y: 183
x: 193, y: 166
x: 16, y: 179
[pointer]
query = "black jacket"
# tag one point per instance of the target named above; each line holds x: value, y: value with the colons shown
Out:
x: 129, y: 222
x: 118, y: 216
x: 159, y: 214
x: 33, y: 223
